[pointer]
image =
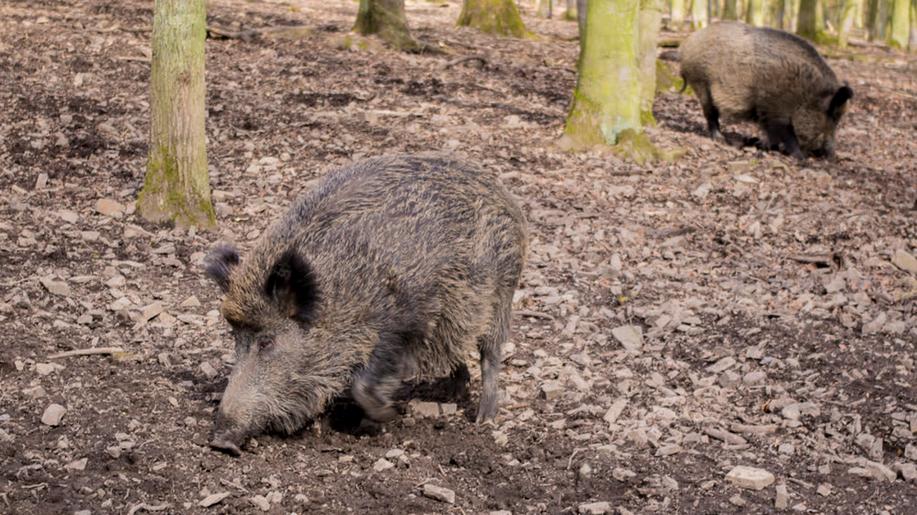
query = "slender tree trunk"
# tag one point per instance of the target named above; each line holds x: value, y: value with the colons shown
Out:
x: 847, y: 17
x: 878, y: 27
x: 807, y: 26
x: 648, y: 22
x: 386, y: 19
x: 581, y: 7
x: 755, y: 14
x: 604, y: 108
x: 571, y: 13
x: 698, y: 14
x: 912, y: 40
x: 176, y: 186
x: 729, y: 10
x: 900, y: 25
x: 545, y: 9
x: 780, y: 14
x: 493, y: 16
x: 677, y: 16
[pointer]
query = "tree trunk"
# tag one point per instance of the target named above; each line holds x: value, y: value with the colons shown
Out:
x: 545, y: 9
x: 848, y: 15
x: 755, y: 14
x: 912, y: 40
x: 677, y: 16
x: 571, y: 13
x: 648, y: 22
x: 581, y: 7
x: 898, y: 35
x: 493, y: 17
x: 806, y: 26
x: 386, y: 19
x: 606, y: 101
x: 176, y: 186
x: 698, y: 14
x: 729, y: 10
x: 878, y: 27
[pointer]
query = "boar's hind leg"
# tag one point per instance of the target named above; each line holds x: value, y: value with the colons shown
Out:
x: 457, y: 385
x: 490, y: 346
x: 781, y: 133
x: 711, y: 113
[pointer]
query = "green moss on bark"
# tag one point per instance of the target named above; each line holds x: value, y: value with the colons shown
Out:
x: 493, y: 17
x: 386, y: 19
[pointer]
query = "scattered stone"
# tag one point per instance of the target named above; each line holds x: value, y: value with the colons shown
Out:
x: 630, y: 336
x: 53, y: 415
x: 595, y: 508
x: 109, y: 207
x: 208, y: 370
x: 68, y: 216
x: 424, y: 409
x: 908, y: 471
x: 750, y: 477
x: 551, y: 390
x: 191, y: 302
x: 755, y: 377
x: 394, y: 454
x: 737, y: 500
x: 59, y: 288
x: 448, y: 408
x: 622, y: 474
x: 905, y: 261
x: 212, y: 499
x: 722, y: 365
x: 151, y: 311
x: 44, y: 369
x: 439, y: 493
x: 725, y: 436
x: 782, y: 497
x: 77, y: 465
x: 261, y: 502
x: 617, y: 407
x: 824, y: 489
x: 382, y: 464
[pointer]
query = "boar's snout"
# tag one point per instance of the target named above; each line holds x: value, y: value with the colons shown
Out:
x: 227, y: 437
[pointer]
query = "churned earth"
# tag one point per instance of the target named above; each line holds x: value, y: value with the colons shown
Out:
x: 675, y: 320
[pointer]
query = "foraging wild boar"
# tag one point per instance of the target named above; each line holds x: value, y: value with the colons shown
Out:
x: 390, y: 268
x: 768, y: 76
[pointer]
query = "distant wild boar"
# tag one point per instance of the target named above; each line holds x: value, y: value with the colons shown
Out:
x: 391, y: 268
x: 767, y: 76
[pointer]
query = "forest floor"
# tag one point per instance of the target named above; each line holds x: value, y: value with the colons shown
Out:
x: 776, y: 301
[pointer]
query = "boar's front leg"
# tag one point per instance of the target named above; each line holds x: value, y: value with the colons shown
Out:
x: 781, y: 133
x: 374, y: 385
x: 490, y: 346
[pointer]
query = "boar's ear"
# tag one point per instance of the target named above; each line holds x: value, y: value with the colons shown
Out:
x: 836, y: 105
x: 291, y: 282
x: 219, y: 263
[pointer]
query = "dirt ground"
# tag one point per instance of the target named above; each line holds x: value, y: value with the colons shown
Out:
x: 776, y: 300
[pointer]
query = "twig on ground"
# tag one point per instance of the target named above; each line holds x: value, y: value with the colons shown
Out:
x: 534, y: 314
x: 86, y: 352
x: 464, y: 59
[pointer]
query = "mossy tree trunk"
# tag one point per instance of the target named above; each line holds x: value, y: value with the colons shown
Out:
x: 606, y: 101
x: 648, y: 22
x: 755, y: 14
x: 386, y: 19
x: 571, y: 13
x: 545, y: 9
x: 730, y: 11
x: 581, y: 16
x: 848, y: 13
x: 912, y: 39
x: 900, y: 24
x: 806, y: 25
x: 176, y: 187
x: 677, y: 15
x: 493, y: 17
x: 698, y: 14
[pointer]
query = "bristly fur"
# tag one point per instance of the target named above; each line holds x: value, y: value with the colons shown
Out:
x: 292, y: 282
x: 219, y: 263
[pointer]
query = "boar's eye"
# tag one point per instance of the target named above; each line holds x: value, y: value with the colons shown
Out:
x: 265, y: 344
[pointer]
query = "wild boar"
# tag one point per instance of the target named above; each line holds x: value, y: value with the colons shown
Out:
x: 767, y: 76
x: 390, y: 268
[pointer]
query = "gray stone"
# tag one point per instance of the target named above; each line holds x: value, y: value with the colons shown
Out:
x: 750, y: 477
x: 53, y: 415
x: 595, y: 508
x: 439, y: 493
x: 630, y: 336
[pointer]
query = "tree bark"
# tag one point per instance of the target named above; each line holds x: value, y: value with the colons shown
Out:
x: 545, y: 9
x: 493, y: 17
x: 386, y: 19
x: 571, y: 13
x: 755, y: 14
x: 900, y: 24
x: 606, y: 101
x: 698, y: 14
x: 848, y: 13
x: 581, y: 7
x: 677, y: 16
x: 806, y: 25
x: 730, y: 11
x: 176, y: 186
x: 649, y: 20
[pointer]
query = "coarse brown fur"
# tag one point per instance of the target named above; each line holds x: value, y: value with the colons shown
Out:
x: 768, y: 76
x: 391, y: 268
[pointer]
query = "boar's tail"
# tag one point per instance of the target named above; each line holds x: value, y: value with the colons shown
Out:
x: 669, y: 55
x: 684, y: 84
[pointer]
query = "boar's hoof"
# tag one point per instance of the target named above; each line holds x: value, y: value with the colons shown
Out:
x: 221, y: 443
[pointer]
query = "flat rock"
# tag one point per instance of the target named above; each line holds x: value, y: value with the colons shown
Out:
x: 59, y: 288
x: 595, y: 508
x: 617, y: 407
x: 630, y: 336
x: 261, y: 502
x: 439, y: 493
x: 212, y: 499
x: 53, y: 415
x: 908, y: 471
x: 905, y: 261
x: 750, y: 477
x: 424, y: 409
x: 110, y: 207
x: 382, y: 464
x: 79, y: 464
x: 782, y: 497
x: 551, y: 390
